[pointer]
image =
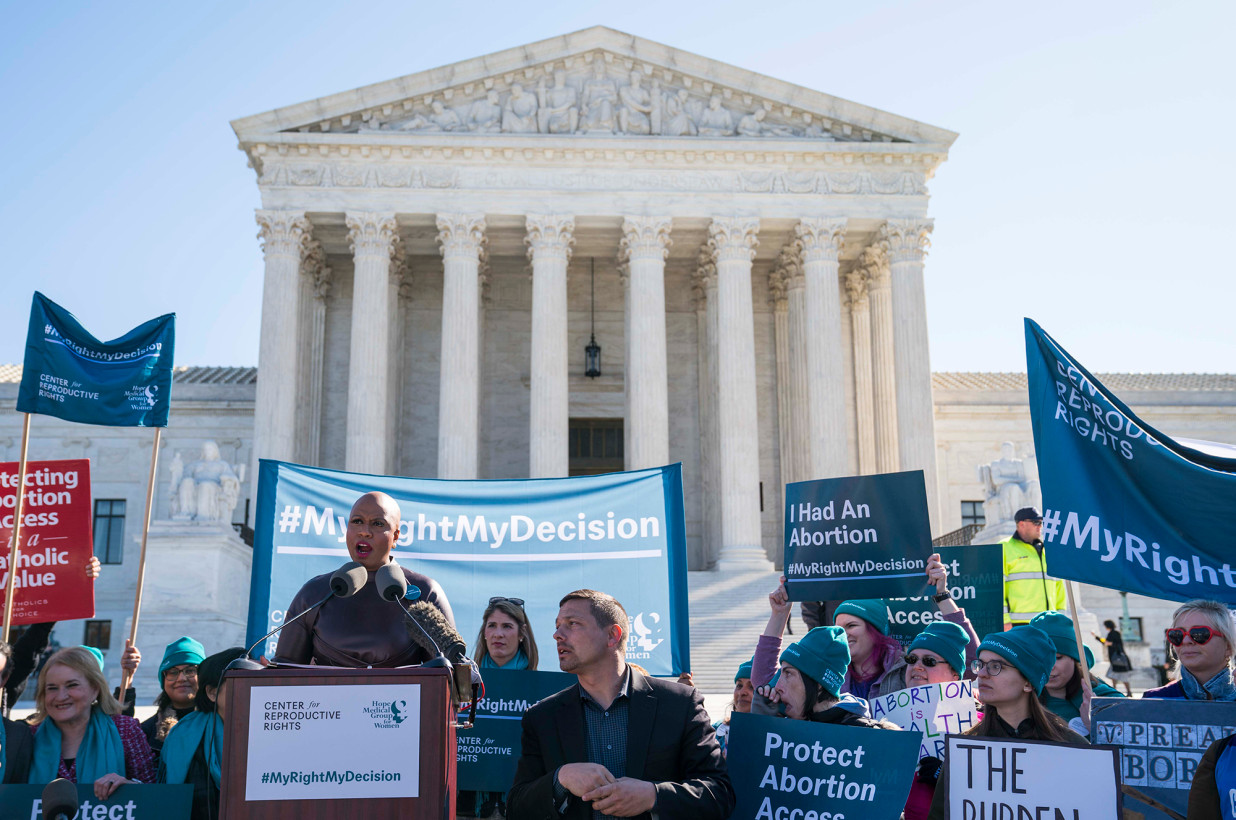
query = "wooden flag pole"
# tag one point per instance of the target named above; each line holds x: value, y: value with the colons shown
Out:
x: 126, y: 678
x: 11, y: 587
x: 1081, y: 647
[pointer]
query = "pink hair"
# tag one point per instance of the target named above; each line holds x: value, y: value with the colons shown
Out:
x: 883, y: 648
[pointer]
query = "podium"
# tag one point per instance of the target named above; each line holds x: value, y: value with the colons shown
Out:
x: 329, y: 743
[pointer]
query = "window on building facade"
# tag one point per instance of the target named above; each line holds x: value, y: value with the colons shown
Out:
x: 109, y: 530
x: 595, y: 446
x: 972, y: 513
x: 98, y: 634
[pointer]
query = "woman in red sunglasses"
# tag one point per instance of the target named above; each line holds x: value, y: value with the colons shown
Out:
x: 1202, y: 635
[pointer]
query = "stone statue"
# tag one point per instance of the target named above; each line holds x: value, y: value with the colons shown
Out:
x: 636, y: 114
x: 1010, y: 484
x: 599, y: 100
x: 485, y: 115
x: 677, y: 120
x: 519, y: 115
x: 443, y: 118
x: 206, y: 489
x: 558, y: 111
x: 753, y: 125
x: 716, y: 121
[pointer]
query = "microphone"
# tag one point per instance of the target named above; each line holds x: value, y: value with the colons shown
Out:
x: 344, y: 583
x: 60, y: 800
x: 393, y: 586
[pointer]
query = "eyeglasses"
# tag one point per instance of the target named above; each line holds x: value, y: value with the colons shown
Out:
x: 1198, y: 634
x: 926, y: 660
x: 180, y: 672
x: 497, y: 599
x: 993, y: 668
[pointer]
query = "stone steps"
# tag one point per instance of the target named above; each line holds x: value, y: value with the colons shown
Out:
x: 728, y: 612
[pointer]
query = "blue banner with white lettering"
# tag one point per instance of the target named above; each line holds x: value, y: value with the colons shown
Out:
x: 1125, y: 506
x: 69, y: 374
x: 862, y: 536
x: 536, y: 539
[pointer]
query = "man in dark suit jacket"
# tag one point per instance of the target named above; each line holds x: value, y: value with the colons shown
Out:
x: 617, y: 744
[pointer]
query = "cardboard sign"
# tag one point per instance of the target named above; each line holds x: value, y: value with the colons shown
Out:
x: 56, y: 541
x: 132, y: 801
x: 857, y: 537
x: 487, y: 753
x: 976, y: 581
x: 934, y: 711
x: 1003, y: 777
x: 794, y: 768
x: 1161, y: 742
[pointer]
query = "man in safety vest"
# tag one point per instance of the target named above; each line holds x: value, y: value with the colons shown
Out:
x: 1028, y: 590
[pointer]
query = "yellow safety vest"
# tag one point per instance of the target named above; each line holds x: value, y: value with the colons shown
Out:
x: 1028, y: 589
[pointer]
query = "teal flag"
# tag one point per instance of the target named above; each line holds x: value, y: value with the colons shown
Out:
x: 71, y: 375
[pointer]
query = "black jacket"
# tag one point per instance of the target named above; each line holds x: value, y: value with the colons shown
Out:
x: 670, y: 742
x: 18, y: 751
x: 1204, y: 799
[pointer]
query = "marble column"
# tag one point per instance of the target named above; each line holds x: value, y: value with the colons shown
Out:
x: 549, y: 243
x: 704, y: 286
x: 883, y: 367
x: 284, y: 236
x: 906, y: 242
x: 733, y: 242
x: 645, y: 244
x: 796, y: 296
x: 780, y: 303
x: 819, y: 242
x: 314, y: 288
x: 374, y: 241
x: 462, y: 238
x: 860, y: 337
x: 400, y: 290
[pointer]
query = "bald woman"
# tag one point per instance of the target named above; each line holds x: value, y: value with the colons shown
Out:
x: 363, y: 630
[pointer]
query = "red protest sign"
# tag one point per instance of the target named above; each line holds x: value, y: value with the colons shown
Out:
x: 56, y: 541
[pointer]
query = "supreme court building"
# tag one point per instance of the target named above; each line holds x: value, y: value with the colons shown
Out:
x: 440, y: 249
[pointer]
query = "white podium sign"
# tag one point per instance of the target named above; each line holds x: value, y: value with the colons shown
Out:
x: 343, y: 741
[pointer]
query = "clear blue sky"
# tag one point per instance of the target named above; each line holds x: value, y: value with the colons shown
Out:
x: 1091, y: 187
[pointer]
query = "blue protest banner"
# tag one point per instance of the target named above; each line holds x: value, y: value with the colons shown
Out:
x: 487, y: 753
x: 1161, y: 742
x: 133, y: 801
x: 535, y: 539
x: 857, y: 537
x: 795, y: 769
x: 69, y: 374
x: 1125, y: 506
x: 976, y: 581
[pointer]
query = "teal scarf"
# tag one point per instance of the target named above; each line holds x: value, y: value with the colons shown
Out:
x: 519, y: 662
x: 100, y: 752
x: 183, y: 742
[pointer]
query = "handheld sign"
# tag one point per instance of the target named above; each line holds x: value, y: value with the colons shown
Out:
x: 1002, y: 777
x: 976, y: 581
x: 487, y: 753
x: 857, y: 537
x: 794, y: 768
x: 934, y: 711
x: 56, y: 543
x: 1161, y: 742
x: 132, y: 801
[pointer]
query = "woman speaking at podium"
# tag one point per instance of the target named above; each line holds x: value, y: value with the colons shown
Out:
x: 363, y: 629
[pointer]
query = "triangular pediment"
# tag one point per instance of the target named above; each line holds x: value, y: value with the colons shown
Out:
x: 593, y: 83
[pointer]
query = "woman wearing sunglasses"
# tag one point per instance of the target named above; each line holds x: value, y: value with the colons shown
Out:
x: 505, y: 640
x: 1012, y: 668
x: 1202, y: 635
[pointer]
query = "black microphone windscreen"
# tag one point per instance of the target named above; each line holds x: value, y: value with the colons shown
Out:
x: 392, y: 585
x: 348, y: 579
x: 439, y: 628
x: 60, y: 799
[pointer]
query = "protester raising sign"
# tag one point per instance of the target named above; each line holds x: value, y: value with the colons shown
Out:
x: 795, y: 768
x: 56, y: 544
x: 487, y: 753
x: 535, y: 539
x: 934, y: 711
x: 1161, y: 743
x: 856, y: 537
x: 1125, y: 506
x: 976, y: 582
x: 1001, y: 778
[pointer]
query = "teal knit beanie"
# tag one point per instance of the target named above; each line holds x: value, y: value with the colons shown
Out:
x: 98, y: 656
x: 946, y: 639
x: 744, y: 671
x: 872, y: 610
x: 1059, y: 627
x: 1028, y: 649
x: 822, y: 655
x: 180, y: 651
